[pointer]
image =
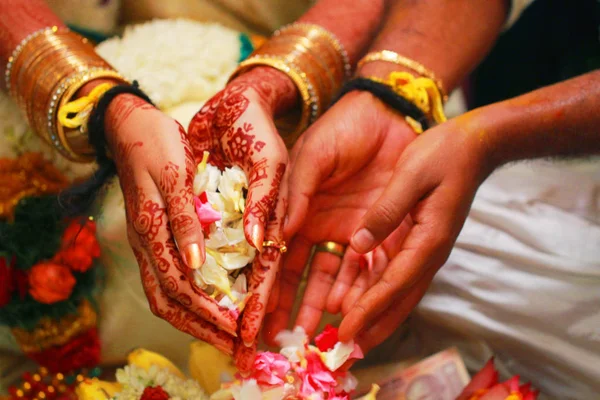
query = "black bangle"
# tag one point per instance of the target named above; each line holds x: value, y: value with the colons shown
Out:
x: 78, y: 198
x: 387, y: 95
x: 96, y: 127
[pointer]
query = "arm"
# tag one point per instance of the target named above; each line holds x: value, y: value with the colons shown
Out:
x: 437, y: 176
x: 561, y: 120
x: 448, y: 37
x: 141, y: 141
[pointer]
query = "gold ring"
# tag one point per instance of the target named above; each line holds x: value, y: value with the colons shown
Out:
x: 331, y: 247
x: 280, y: 246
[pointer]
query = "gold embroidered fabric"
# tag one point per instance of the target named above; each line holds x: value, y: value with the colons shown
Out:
x: 50, y: 332
x: 28, y: 175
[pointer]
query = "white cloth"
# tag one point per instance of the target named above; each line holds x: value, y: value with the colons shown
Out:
x: 523, y: 281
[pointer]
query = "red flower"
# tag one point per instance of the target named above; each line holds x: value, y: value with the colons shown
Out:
x: 83, y: 236
x: 76, y: 258
x: 83, y: 351
x: 327, y: 339
x: 50, y: 283
x: 6, y: 282
x: 485, y: 386
x: 154, y: 393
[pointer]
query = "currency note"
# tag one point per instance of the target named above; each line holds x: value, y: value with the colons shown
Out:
x: 439, y: 377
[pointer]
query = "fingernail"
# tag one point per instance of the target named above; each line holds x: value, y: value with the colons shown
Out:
x: 257, y: 239
x: 224, y: 349
x: 192, y: 256
x: 363, y: 240
x: 245, y: 374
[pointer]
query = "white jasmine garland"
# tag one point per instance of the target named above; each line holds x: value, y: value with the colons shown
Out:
x: 135, y: 379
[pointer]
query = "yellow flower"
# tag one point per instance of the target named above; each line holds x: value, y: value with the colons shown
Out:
x: 209, y: 366
x: 95, y: 389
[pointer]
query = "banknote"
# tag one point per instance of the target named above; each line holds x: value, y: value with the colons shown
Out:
x: 438, y: 377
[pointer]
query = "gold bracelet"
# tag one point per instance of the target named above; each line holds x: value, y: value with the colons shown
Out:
x: 310, y: 107
x: 74, y: 142
x: 310, y: 30
x: 19, y: 48
x: 395, y: 58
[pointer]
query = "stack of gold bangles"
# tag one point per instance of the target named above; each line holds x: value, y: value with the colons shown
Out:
x: 314, y: 59
x: 44, y: 73
x: 425, y: 91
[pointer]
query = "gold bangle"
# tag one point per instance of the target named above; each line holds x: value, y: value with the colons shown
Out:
x: 74, y: 147
x: 300, y: 52
x: 310, y: 108
x: 395, y: 58
x: 19, y: 48
x: 312, y: 29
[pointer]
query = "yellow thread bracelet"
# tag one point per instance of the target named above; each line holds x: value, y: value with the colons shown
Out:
x: 82, y: 107
x: 422, y: 92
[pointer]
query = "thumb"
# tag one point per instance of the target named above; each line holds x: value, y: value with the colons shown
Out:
x: 311, y: 164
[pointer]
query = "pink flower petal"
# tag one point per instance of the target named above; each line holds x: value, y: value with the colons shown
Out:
x: 270, y: 368
x: 206, y: 214
x: 365, y: 261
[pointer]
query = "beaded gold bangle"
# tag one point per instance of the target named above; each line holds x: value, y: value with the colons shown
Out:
x: 310, y: 107
x: 46, y: 70
x: 395, y: 58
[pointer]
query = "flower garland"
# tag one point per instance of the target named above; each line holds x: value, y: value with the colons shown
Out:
x: 47, y: 279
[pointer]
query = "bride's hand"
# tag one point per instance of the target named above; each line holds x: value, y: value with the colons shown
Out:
x: 155, y: 167
x: 236, y: 126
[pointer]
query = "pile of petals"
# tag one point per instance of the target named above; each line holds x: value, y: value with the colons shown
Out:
x: 299, y: 371
x: 220, y: 202
x: 485, y: 386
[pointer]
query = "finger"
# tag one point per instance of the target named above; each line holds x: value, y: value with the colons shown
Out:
x: 423, y: 251
x: 244, y: 357
x: 349, y: 270
x: 291, y: 275
x: 166, y: 308
x: 274, y: 297
x: 401, y: 194
x: 313, y: 162
x: 175, y: 182
x: 386, y: 323
x: 150, y: 227
x: 366, y: 278
x: 265, y: 269
x: 323, y: 271
x: 264, y: 183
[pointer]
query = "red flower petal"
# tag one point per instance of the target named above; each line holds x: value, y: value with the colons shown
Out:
x: 327, y: 339
x: 484, y: 379
x: 154, y: 393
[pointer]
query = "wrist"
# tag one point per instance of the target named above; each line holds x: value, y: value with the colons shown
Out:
x: 274, y: 87
x: 490, y: 128
x: 381, y: 69
x: 117, y: 112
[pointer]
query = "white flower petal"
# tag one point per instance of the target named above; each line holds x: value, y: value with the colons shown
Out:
x: 337, y: 356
